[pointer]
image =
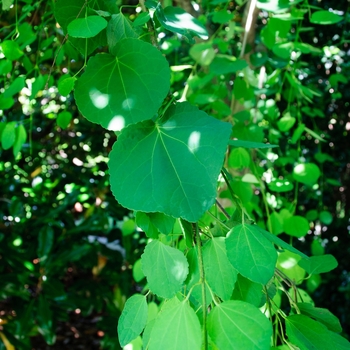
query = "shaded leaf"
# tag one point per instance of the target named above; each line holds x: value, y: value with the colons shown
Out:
x: 86, y: 27
x: 319, y: 264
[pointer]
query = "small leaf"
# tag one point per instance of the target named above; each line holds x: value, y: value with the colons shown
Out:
x: 46, y: 237
x: 133, y: 319
x: 237, y: 325
x: 296, y: 226
x: 6, y: 4
x: 325, y: 18
x: 115, y: 91
x: 11, y: 50
x: 202, y: 53
x: 280, y: 185
x: 326, y: 217
x: 321, y: 315
x: 307, y: 174
x: 141, y: 19
x: 8, y: 136
x: 239, y: 158
x: 165, y: 268
x: 172, y: 156
x: 144, y: 222
x: 286, y: 122
x: 137, y: 273
x: 287, y: 262
x: 224, y: 64
x: 65, y: 86
x: 319, y: 264
x: 119, y: 27
x: 251, y: 253
x: 219, y: 273
x: 176, y: 327
x: 86, y: 27
x: 64, y: 119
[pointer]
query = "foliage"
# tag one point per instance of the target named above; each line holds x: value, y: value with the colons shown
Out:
x: 214, y: 148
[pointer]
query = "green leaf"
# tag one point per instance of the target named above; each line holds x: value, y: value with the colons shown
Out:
x: 286, y: 122
x: 219, y: 273
x: 8, y: 136
x: 250, y: 144
x: 179, y: 21
x: 239, y: 158
x: 137, y: 273
x: 119, y: 27
x: 176, y: 327
x: 16, y: 86
x: 222, y: 17
x: 165, y: 268
x: 237, y: 325
x: 248, y: 291
x: 309, y: 334
x: 321, y: 315
x: 6, y: 4
x: 133, y: 319
x: 178, y: 160
x: 319, y: 264
x: 325, y: 18
x: 224, y: 64
x: 326, y: 217
x: 287, y: 262
x: 46, y: 237
x: 251, y: 253
x: 202, y: 53
x: 11, y: 50
x: 44, y: 320
x: 21, y: 137
x: 128, y: 88
x: 65, y: 86
x: 280, y: 185
x: 141, y: 19
x: 272, y: 238
x: 144, y: 222
x: 296, y: 226
x: 64, y: 119
x: 152, y: 223
x: 307, y: 174
x: 128, y: 227
x: 86, y: 27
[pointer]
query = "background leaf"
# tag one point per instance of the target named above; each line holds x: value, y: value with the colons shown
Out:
x: 86, y: 27
x: 319, y: 264
x: 325, y: 18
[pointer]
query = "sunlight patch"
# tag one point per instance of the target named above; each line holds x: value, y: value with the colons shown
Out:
x: 117, y: 123
x: 99, y: 99
x: 193, y: 141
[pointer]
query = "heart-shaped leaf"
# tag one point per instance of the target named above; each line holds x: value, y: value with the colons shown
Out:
x: 86, y: 27
x: 251, y: 253
x: 172, y: 164
x: 126, y: 88
x: 166, y: 268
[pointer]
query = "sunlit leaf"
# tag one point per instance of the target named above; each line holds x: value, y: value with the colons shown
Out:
x: 174, y: 175
x: 325, y: 18
x: 128, y: 88
x: 307, y: 174
x: 165, y: 268
x: 296, y: 226
x: 11, y: 50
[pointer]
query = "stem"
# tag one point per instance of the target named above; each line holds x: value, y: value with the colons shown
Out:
x: 150, y: 25
x: 202, y: 280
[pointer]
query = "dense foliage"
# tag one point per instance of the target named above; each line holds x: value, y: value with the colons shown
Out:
x: 155, y: 161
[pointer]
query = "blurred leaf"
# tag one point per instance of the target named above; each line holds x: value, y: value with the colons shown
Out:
x: 319, y: 264
x: 325, y: 18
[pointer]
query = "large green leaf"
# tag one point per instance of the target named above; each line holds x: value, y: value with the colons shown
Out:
x: 238, y: 325
x: 172, y: 164
x: 322, y: 315
x: 319, y: 264
x: 309, y: 334
x: 251, y: 253
x: 166, y: 268
x: 128, y: 88
x: 219, y: 273
x: 133, y: 319
x: 86, y: 27
x: 176, y: 327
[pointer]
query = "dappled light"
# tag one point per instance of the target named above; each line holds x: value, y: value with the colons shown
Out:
x: 117, y: 123
x: 99, y: 99
x: 194, y: 141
